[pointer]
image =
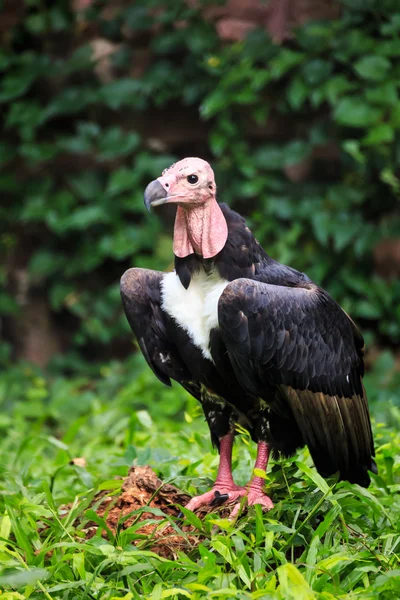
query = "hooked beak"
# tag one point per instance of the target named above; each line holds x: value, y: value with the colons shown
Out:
x: 155, y: 194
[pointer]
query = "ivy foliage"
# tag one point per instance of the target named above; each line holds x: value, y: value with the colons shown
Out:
x: 76, y: 153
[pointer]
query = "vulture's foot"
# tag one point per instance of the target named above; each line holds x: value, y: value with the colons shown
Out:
x: 217, y: 496
x: 255, y: 489
x: 255, y: 496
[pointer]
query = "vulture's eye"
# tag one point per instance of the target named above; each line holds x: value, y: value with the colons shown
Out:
x: 192, y: 179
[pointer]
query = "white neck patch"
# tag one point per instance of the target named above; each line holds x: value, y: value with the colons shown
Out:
x: 194, y: 309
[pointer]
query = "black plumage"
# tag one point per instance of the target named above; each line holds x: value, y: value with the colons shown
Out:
x: 300, y: 342
x: 287, y: 361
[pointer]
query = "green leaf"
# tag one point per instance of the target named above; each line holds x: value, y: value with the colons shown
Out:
x: 382, y: 133
x: 58, y: 443
x: 86, y: 216
x: 336, y: 86
x: 93, y: 516
x: 292, y: 584
x: 8, y: 304
x: 345, y: 233
x: 5, y: 527
x: 70, y: 101
x: 316, y: 71
x: 384, y: 94
x: 213, y: 103
x: 388, y: 176
x: 111, y: 484
x: 315, y: 36
x: 373, y: 67
x: 327, y: 521
x: 365, y: 309
x: 26, y: 116
x: 176, y: 592
x: 395, y: 116
x: 18, y: 577
x: 295, y: 152
x: 352, y: 147
x: 392, y: 26
x: 121, y: 92
x: 121, y: 180
x: 315, y: 477
x: 15, y: 85
x: 297, y: 92
x: 37, y: 23
x: 269, y: 156
x: 45, y: 263
x: 284, y: 62
x: 35, y: 152
x: 356, y: 112
x: 115, y: 142
x: 59, y: 294
x: 389, y: 48
x: 144, y: 419
x: 260, y: 473
x: 87, y: 184
x: 16, y: 82
x: 81, y: 59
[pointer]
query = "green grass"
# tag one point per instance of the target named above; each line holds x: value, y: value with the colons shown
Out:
x: 322, y: 540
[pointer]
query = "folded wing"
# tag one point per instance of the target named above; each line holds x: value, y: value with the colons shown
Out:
x: 299, y: 341
x: 141, y: 298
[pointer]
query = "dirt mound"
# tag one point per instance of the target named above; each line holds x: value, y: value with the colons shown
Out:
x: 140, y: 489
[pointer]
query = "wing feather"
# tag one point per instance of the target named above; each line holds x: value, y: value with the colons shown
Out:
x: 299, y: 340
x: 140, y: 293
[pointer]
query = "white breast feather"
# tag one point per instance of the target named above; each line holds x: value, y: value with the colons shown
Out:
x: 194, y: 309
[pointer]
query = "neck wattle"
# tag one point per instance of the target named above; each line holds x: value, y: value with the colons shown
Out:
x: 202, y: 229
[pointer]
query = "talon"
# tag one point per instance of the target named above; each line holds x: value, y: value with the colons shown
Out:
x: 215, y: 498
x: 219, y: 499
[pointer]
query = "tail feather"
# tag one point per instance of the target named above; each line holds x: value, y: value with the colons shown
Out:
x: 337, y: 431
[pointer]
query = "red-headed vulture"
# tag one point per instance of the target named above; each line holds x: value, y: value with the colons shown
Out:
x: 256, y: 342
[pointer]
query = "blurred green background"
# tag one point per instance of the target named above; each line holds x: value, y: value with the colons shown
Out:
x: 296, y: 105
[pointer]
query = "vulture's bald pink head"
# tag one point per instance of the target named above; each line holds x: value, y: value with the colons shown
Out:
x: 200, y: 225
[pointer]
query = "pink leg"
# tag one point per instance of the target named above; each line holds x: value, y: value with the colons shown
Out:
x: 256, y: 494
x: 224, y: 488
